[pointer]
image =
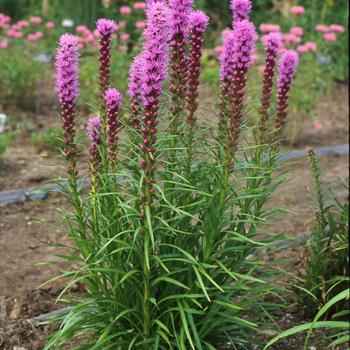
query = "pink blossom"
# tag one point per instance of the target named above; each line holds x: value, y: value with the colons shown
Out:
x: 106, y: 3
x: 218, y: 50
x: 4, y: 44
x: 330, y: 37
x: 82, y: 29
x: 121, y: 25
x: 291, y: 39
x: 297, y: 31
x: 4, y: 21
x: 122, y: 48
x: 312, y: 46
x: 89, y: 38
x: 225, y: 32
x: 302, y: 49
x: 139, y: 6
x: 262, y: 69
x: 35, y: 36
x: 321, y: 28
x: 254, y: 58
x: 23, y: 24
x: 337, y: 28
x: 125, y: 10
x: 269, y: 28
x: 35, y: 19
x: 297, y: 10
x: 318, y: 126
x: 11, y: 33
x: 140, y: 24
x: 125, y: 37
x: 50, y: 25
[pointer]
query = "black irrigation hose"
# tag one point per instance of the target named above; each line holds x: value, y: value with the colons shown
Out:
x: 41, y: 192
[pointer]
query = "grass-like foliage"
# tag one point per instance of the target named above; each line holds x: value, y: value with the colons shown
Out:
x: 167, y: 240
x: 327, y: 251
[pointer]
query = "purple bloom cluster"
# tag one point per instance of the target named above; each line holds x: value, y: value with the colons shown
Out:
x: 287, y: 69
x: 113, y: 100
x: 272, y: 45
x: 67, y: 88
x: 93, y: 129
x: 105, y: 28
x: 135, y: 90
x: 154, y: 59
x: 67, y: 67
x: 180, y: 11
x: 197, y: 24
x: 240, y: 10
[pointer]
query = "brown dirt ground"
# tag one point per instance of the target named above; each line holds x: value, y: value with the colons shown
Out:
x: 21, y: 236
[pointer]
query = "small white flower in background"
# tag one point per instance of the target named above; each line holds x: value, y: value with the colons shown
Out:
x: 2, y: 122
x: 68, y: 23
x: 42, y: 57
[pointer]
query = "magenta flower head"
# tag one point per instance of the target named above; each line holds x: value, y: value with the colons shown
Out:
x: 198, y: 23
x: 272, y: 43
x: 113, y: 101
x: 154, y: 59
x: 105, y: 28
x: 180, y: 11
x: 244, y: 38
x: 67, y: 88
x: 240, y: 9
x: 135, y: 90
x: 93, y: 129
x: 67, y: 69
x: 287, y: 69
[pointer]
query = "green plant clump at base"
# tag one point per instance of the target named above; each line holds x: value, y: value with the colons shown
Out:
x: 169, y: 238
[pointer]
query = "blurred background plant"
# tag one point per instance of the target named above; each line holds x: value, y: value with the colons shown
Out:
x: 327, y: 250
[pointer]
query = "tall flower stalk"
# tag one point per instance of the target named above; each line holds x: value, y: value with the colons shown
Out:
x: 198, y: 23
x: 272, y: 46
x: 94, y: 129
x: 105, y: 28
x: 287, y: 69
x: 244, y: 38
x: 67, y: 88
x: 180, y: 11
x: 155, y: 59
x: 135, y: 90
x: 113, y: 100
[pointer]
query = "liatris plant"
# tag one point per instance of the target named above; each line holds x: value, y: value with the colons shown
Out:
x: 67, y: 88
x: 105, y: 28
x: 168, y: 247
x: 272, y: 46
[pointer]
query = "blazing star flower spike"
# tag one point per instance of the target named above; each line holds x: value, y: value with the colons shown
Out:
x: 287, y: 69
x: 67, y: 66
x: 272, y: 43
x: 240, y: 9
x: 94, y: 128
x: 106, y: 27
x: 197, y: 24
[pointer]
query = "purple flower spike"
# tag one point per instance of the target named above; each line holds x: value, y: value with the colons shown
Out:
x: 198, y: 24
x: 244, y: 38
x: 113, y: 101
x: 105, y: 28
x: 93, y: 129
x: 240, y: 9
x: 287, y: 69
x: 180, y: 11
x: 67, y: 88
x: 154, y: 59
x: 272, y: 45
x: 135, y: 90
